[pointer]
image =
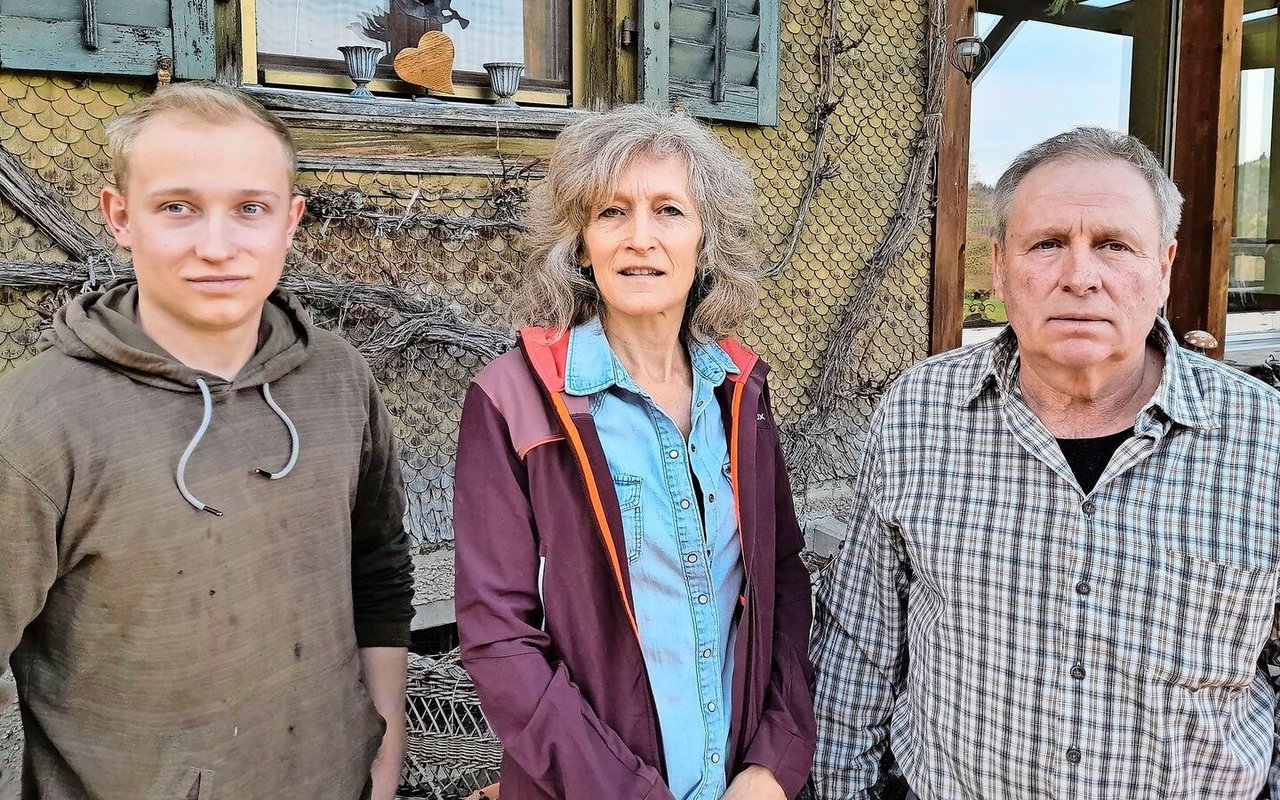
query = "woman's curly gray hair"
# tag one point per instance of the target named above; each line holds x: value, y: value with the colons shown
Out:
x: 586, y: 164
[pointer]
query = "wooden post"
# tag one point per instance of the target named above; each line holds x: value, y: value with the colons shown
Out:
x: 950, y: 221
x: 1206, y: 118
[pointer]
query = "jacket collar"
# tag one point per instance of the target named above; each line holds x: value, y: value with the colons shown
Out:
x: 591, y: 366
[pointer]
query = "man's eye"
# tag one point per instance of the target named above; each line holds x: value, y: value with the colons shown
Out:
x: 1117, y: 247
x: 253, y: 208
x: 174, y: 208
x: 1048, y: 244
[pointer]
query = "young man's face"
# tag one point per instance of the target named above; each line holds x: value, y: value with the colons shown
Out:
x: 208, y: 212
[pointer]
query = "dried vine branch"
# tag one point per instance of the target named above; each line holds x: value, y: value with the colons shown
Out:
x: 33, y: 200
x: 404, y: 320
x: 820, y: 168
x: 809, y: 440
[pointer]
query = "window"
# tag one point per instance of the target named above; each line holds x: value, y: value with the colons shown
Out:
x: 718, y: 58
x: 1254, y: 283
x: 298, y: 40
x: 121, y: 37
x: 1101, y: 62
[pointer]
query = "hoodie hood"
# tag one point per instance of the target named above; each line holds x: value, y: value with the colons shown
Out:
x: 103, y: 327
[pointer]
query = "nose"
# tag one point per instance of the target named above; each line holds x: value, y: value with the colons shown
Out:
x: 641, y: 235
x: 216, y: 242
x: 1081, y: 274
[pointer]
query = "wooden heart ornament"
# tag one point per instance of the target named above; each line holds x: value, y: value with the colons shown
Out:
x: 430, y: 64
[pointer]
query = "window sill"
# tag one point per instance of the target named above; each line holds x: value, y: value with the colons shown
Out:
x: 397, y: 135
x: 410, y: 116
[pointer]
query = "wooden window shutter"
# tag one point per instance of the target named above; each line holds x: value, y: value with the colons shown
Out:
x: 107, y: 37
x: 718, y: 59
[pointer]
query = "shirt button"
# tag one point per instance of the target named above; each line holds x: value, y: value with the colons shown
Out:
x: 715, y: 758
x: 693, y: 448
x: 706, y: 653
x: 1083, y: 587
x: 711, y: 706
x: 674, y: 453
x: 1077, y: 672
x: 702, y: 598
x: 1073, y: 755
x: 711, y: 498
x: 692, y: 558
x: 1088, y: 508
x: 684, y: 503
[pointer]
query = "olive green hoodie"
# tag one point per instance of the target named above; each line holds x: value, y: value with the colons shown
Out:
x: 163, y: 651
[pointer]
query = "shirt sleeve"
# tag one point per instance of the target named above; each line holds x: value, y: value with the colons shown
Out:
x: 28, y: 553
x: 785, y: 739
x: 381, y: 565
x: 859, y: 645
x: 545, y: 724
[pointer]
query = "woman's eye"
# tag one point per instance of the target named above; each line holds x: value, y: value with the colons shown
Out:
x: 611, y: 212
x: 670, y: 211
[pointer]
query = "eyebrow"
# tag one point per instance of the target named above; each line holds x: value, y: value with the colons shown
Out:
x: 1104, y: 233
x: 267, y: 194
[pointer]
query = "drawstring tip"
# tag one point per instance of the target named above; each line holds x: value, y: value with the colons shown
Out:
x: 212, y: 511
x: 264, y: 473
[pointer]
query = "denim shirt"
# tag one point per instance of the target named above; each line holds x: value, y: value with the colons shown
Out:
x: 686, y: 576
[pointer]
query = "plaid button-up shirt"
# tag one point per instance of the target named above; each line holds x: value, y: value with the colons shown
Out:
x: 1061, y: 644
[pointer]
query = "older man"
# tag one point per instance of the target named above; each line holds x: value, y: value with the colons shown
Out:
x: 1063, y: 563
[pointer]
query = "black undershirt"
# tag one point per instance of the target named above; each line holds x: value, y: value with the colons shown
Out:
x: 1089, y: 457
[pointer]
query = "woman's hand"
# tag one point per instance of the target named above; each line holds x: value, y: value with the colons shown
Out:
x: 755, y: 783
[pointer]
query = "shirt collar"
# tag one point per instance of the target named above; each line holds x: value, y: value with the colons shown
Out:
x: 1178, y: 394
x: 591, y: 365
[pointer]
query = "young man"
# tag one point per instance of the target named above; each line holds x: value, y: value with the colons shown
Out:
x: 206, y: 586
x: 1063, y: 567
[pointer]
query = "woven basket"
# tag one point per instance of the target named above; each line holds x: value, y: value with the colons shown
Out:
x: 451, y: 750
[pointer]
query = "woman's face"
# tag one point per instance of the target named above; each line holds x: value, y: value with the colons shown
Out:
x: 642, y: 243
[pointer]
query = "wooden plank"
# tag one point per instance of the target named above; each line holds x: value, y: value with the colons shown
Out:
x: 481, y: 166
x: 655, y: 53
x: 343, y: 110
x: 951, y: 207
x: 143, y: 13
x: 194, y: 53
x: 56, y: 46
x: 599, y: 34
x: 1206, y: 119
x: 770, y: 12
x: 383, y: 141
x: 741, y: 103
x: 699, y: 62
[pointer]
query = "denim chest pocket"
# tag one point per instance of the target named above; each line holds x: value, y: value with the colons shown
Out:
x: 1211, y: 621
x: 628, y: 488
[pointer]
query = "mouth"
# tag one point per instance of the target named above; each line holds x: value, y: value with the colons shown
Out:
x: 1076, y: 318
x: 641, y: 272
x: 219, y: 282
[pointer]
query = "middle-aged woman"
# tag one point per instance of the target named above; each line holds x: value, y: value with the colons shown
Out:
x: 630, y: 596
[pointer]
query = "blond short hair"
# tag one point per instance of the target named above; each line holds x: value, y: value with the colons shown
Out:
x: 586, y: 164
x: 201, y: 100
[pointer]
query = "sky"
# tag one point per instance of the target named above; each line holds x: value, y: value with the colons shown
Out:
x: 1045, y: 79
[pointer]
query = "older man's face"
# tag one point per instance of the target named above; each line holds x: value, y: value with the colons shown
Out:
x: 1082, y: 270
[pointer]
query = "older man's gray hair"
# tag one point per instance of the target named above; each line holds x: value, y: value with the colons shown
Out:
x: 1091, y: 145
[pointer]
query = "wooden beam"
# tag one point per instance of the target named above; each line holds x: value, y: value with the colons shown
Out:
x: 950, y: 220
x: 1206, y: 118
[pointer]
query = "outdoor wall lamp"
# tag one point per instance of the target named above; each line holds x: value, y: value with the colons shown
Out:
x: 969, y: 54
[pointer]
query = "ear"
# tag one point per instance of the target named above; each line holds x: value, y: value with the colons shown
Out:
x: 997, y: 268
x: 297, y: 207
x: 115, y: 210
x: 1166, y: 268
